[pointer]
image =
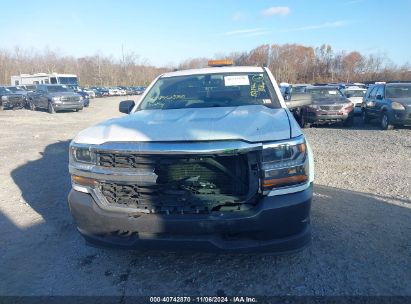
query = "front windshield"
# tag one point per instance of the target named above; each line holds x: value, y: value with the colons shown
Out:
x: 4, y: 90
x: 321, y: 95
x: 401, y: 91
x: 68, y: 80
x: 53, y: 89
x: 355, y: 93
x: 299, y: 89
x: 211, y: 90
x: 15, y: 89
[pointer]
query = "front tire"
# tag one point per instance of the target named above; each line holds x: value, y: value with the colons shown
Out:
x: 32, y: 106
x: 51, y: 108
x: 365, y: 117
x: 349, y: 122
x: 385, y: 122
x: 303, y: 122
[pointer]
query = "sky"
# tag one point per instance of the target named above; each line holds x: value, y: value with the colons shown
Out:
x: 166, y: 32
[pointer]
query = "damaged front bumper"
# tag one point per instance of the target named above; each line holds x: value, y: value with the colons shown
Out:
x: 200, y: 196
x: 277, y: 224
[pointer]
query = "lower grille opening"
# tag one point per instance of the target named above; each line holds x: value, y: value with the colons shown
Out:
x: 194, y: 185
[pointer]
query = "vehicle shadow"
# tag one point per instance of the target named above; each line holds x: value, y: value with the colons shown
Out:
x: 45, y: 182
x: 360, y: 246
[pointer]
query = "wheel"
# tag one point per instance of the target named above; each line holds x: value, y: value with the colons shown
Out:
x: 349, y: 122
x: 51, y: 108
x: 32, y: 106
x: 303, y: 123
x: 385, y: 122
x: 365, y: 117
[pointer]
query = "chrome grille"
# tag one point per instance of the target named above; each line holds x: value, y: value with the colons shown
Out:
x: 70, y: 99
x: 15, y: 98
x: 330, y: 108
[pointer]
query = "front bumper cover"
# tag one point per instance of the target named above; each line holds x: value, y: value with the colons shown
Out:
x: 278, y: 224
x: 400, y: 117
x: 67, y: 106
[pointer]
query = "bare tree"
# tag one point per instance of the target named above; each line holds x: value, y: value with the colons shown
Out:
x: 289, y: 62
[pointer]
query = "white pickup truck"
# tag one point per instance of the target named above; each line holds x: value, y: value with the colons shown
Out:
x: 209, y: 159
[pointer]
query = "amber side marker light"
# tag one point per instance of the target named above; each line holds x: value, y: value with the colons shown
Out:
x: 220, y: 63
x: 285, y: 181
x: 301, y: 148
x: 84, y: 181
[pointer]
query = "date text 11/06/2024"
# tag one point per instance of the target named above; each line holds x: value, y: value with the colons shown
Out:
x: 203, y: 300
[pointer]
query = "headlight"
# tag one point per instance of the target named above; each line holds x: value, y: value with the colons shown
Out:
x: 81, y: 97
x: 4, y: 98
x: 397, y: 106
x: 285, y: 165
x: 56, y: 98
x: 347, y: 107
x: 82, y: 155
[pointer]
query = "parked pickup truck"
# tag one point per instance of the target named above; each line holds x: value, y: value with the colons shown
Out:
x: 208, y: 160
x: 11, y: 100
x: 54, y: 97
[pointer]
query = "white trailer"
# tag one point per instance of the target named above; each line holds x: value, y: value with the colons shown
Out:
x: 44, y: 78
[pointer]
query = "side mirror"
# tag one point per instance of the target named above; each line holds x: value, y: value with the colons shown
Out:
x: 298, y: 100
x: 126, y: 106
x: 379, y: 97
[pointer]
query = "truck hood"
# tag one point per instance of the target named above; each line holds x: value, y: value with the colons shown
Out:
x: 62, y: 94
x: 329, y: 100
x: 254, y: 123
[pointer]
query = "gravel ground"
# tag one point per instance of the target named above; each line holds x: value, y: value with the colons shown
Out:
x: 361, y: 222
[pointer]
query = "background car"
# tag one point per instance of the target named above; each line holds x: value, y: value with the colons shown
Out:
x: 355, y: 95
x: 18, y: 90
x: 328, y: 105
x: 285, y: 90
x: 55, y: 97
x: 11, y: 100
x: 85, y: 97
x: 389, y: 103
x: 113, y: 91
x: 139, y: 90
x: 299, y: 87
x: 100, y: 91
x: 90, y: 92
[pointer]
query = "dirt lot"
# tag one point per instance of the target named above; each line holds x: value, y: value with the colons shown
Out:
x: 361, y: 222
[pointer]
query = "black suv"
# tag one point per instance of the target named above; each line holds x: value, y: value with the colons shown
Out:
x: 389, y: 103
x: 10, y: 100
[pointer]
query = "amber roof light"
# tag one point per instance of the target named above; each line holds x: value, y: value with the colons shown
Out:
x: 220, y: 63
